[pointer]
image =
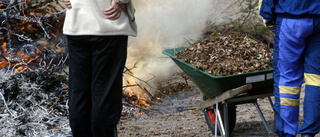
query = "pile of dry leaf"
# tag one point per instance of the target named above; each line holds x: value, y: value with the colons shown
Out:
x: 228, y: 54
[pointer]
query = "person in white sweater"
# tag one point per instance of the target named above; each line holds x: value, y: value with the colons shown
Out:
x: 97, y: 32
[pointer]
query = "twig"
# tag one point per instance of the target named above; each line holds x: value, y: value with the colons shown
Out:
x: 130, y: 86
x: 4, y: 101
x: 147, y: 92
x: 129, y: 70
x: 146, y: 82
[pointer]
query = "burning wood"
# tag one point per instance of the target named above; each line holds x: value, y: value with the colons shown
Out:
x: 131, y: 97
x: 20, y: 19
x: 30, y: 34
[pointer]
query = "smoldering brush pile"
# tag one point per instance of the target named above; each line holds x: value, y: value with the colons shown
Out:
x: 34, y: 103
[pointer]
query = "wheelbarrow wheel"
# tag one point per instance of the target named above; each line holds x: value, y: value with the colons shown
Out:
x: 210, y: 118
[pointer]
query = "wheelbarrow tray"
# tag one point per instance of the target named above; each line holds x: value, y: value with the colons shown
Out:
x: 212, y: 86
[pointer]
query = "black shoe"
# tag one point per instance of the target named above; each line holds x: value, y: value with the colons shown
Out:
x: 307, y: 135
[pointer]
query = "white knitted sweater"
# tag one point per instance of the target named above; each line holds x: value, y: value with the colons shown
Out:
x: 86, y: 18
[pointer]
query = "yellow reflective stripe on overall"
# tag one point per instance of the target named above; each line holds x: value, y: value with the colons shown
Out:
x: 289, y: 91
x: 259, y: 6
x: 312, y: 79
x: 289, y: 102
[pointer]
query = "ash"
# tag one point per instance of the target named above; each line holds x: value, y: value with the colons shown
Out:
x: 34, y: 103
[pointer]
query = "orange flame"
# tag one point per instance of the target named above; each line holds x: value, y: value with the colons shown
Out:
x: 4, y: 47
x: 143, y: 100
x: 3, y: 63
x: 20, y: 69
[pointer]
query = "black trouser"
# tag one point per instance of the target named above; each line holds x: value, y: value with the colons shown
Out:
x: 95, y: 84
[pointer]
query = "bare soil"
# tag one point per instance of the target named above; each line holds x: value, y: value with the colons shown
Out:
x: 165, y: 121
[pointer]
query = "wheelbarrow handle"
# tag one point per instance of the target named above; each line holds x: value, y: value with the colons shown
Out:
x: 226, y: 95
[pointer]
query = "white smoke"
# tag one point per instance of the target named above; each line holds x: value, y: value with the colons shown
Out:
x: 166, y: 24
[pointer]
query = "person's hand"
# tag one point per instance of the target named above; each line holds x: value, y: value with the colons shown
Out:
x: 68, y: 4
x: 114, y: 11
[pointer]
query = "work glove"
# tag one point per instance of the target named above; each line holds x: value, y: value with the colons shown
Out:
x: 269, y: 24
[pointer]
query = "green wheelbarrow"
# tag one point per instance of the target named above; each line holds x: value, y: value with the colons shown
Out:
x: 227, y: 91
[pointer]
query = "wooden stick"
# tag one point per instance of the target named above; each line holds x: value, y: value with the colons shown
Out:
x: 146, y: 91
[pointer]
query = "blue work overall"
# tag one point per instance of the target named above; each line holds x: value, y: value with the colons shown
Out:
x: 297, y: 58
